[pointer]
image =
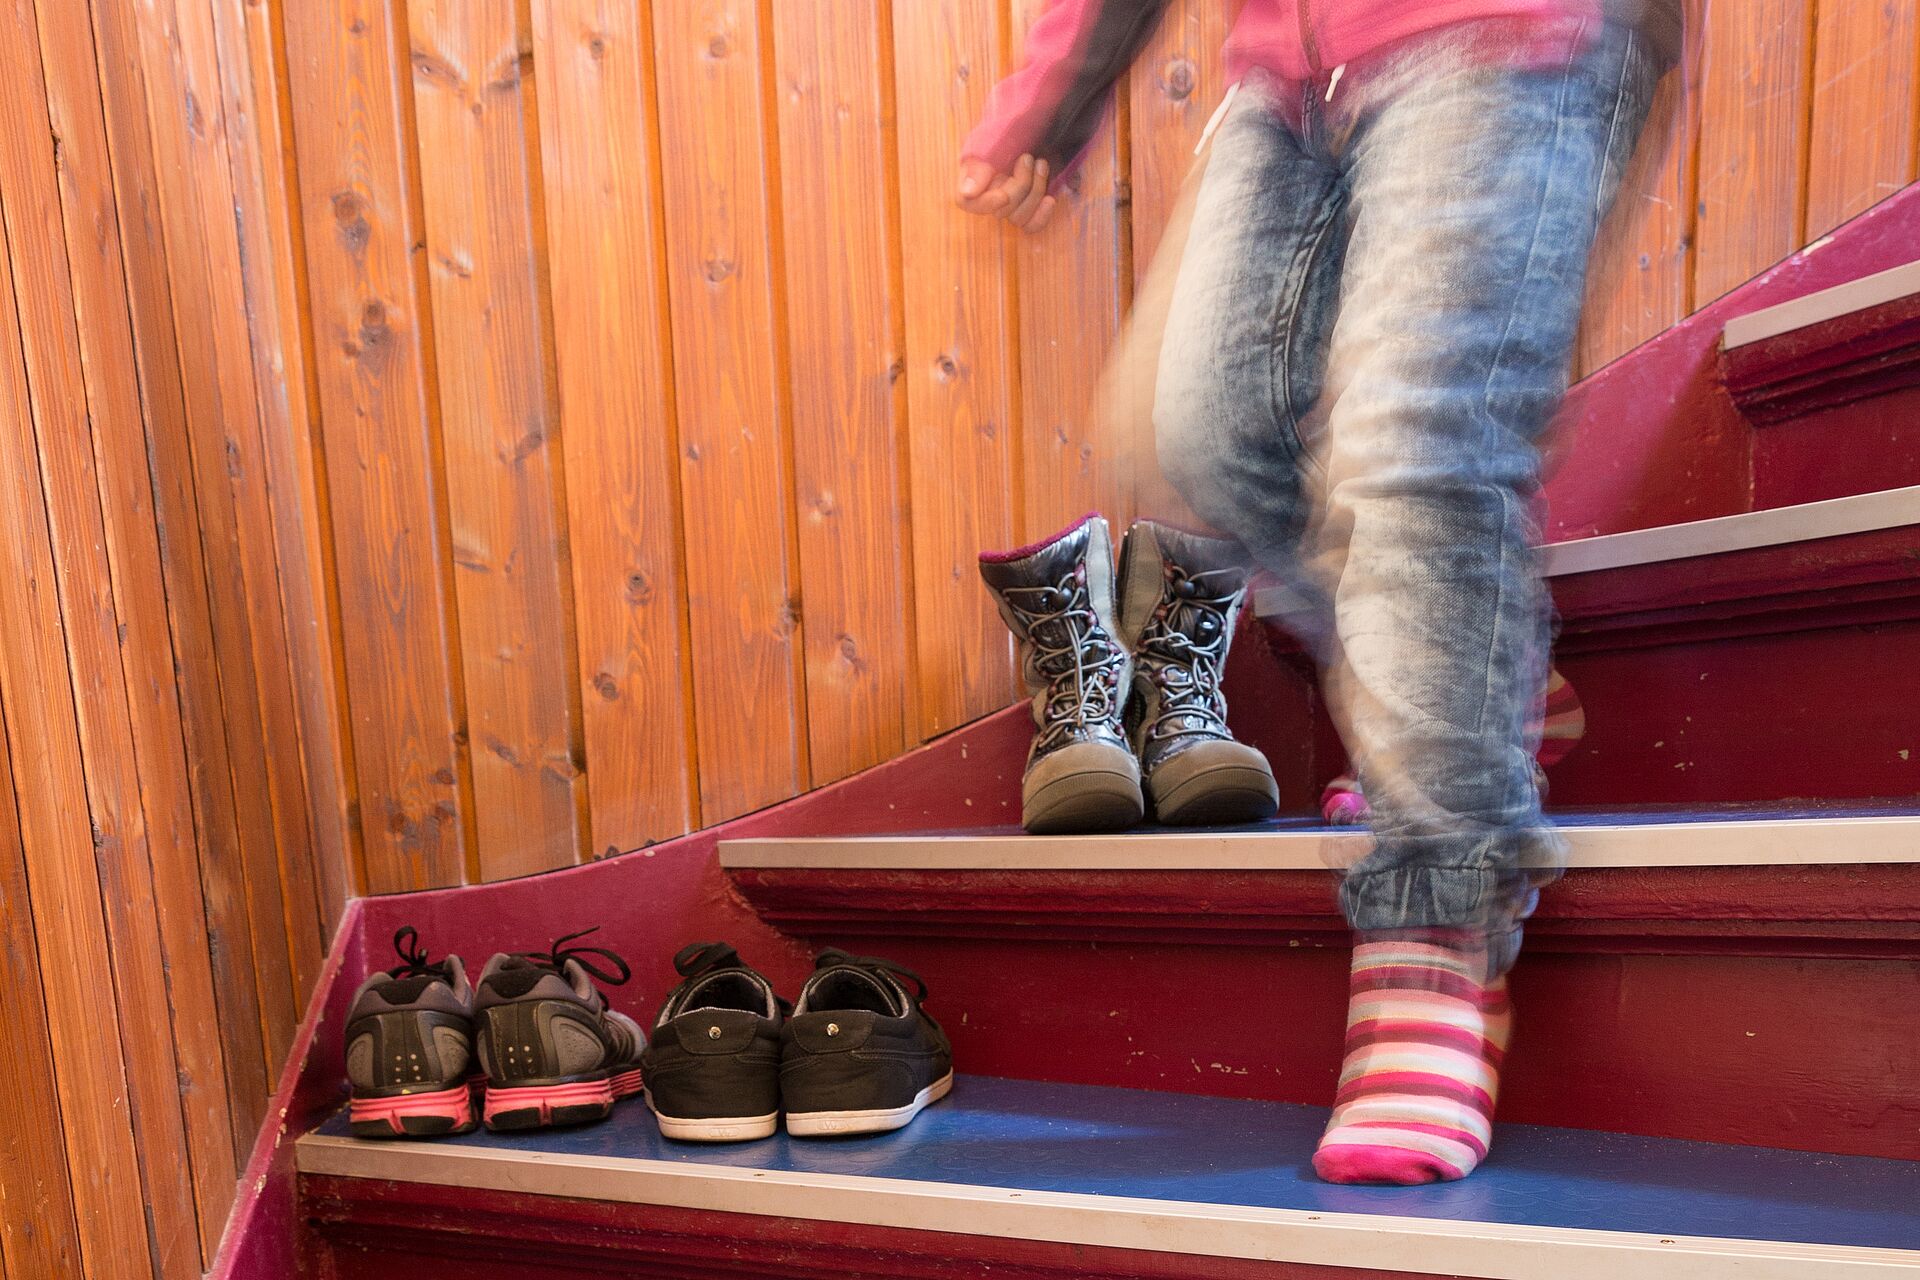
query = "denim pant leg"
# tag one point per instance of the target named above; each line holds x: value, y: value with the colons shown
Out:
x: 1246, y: 334
x: 1475, y: 195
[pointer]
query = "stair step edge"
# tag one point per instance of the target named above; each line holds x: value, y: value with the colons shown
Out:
x: 1770, y: 841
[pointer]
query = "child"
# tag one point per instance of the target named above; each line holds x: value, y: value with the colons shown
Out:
x: 1371, y: 325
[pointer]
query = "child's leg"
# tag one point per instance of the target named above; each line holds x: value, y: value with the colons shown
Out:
x: 1475, y: 195
x: 1245, y: 336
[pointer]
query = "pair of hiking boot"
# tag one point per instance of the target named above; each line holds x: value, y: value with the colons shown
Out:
x: 535, y: 1025
x: 855, y: 1054
x: 1124, y: 661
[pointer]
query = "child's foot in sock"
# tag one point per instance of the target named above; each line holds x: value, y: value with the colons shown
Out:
x: 1426, y: 1034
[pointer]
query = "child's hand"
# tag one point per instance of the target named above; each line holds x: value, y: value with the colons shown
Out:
x: 1020, y: 197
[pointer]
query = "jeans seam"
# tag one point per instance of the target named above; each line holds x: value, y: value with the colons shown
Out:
x: 1613, y: 131
x: 1499, y: 361
x: 1283, y: 378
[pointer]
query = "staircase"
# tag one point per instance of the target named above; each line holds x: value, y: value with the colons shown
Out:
x: 1717, y: 1073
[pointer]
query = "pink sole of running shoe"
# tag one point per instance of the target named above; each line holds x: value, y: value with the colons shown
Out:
x: 536, y: 1106
x: 413, y: 1115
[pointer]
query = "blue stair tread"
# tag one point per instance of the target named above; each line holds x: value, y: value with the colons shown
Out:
x: 1100, y: 1141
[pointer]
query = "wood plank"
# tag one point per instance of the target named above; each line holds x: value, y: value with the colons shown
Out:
x: 470, y: 106
x: 218, y: 397
x: 959, y: 363
x: 273, y: 266
x: 33, y: 1159
x: 179, y: 1080
x: 1638, y: 276
x: 78, y: 368
x: 1073, y: 288
x: 735, y: 473
x: 409, y: 737
x: 1866, y: 83
x: 600, y: 162
x: 1754, y: 95
x: 49, y: 784
x: 149, y: 301
x: 235, y: 452
x: 1176, y: 83
x: 849, y: 408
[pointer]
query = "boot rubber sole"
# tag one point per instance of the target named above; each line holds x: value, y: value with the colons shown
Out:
x: 1222, y: 795
x: 1084, y: 802
x: 440, y: 1113
x: 835, y: 1124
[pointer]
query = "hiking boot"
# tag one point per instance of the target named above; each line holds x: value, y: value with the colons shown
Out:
x: 410, y: 1047
x: 713, y: 1069
x: 1057, y: 596
x: 859, y: 1055
x: 1180, y: 596
x: 554, y: 1053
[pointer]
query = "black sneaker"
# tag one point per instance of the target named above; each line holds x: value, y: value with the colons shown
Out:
x: 554, y: 1053
x: 713, y: 1069
x: 859, y: 1055
x: 410, y: 1047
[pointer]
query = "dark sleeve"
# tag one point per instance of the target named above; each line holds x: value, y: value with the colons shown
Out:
x: 1051, y: 107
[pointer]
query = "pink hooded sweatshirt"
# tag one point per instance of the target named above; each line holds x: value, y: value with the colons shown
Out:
x: 1052, y: 105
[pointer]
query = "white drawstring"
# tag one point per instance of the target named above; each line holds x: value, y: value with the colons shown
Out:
x: 1335, y: 79
x: 1219, y: 114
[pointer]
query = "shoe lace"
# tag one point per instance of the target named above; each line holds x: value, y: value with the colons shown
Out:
x: 413, y: 956
x: 833, y: 957
x: 559, y: 953
x: 1070, y: 650
x: 1185, y: 648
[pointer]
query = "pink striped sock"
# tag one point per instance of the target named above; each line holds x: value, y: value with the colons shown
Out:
x: 1426, y: 1035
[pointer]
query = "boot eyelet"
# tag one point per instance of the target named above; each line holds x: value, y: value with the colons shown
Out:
x: 713, y: 1033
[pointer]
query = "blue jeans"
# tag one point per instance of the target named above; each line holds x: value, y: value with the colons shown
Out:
x: 1371, y: 325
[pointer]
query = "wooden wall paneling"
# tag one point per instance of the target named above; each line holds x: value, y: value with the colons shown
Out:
x: 1173, y: 89
x: 1754, y: 94
x: 42, y: 1241
x: 213, y: 391
x: 1074, y: 284
x: 1866, y: 80
x: 1638, y: 276
x: 471, y: 103
x: 64, y: 301
x: 273, y: 266
x: 735, y: 472
x: 69, y: 917
x: 849, y: 408
x: 600, y: 164
x: 229, y: 448
x: 149, y: 300
x: 348, y: 80
x: 182, y: 1079
x: 1177, y: 81
x: 964, y: 481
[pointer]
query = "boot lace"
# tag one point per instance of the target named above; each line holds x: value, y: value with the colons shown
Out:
x: 1071, y: 651
x: 1185, y: 649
